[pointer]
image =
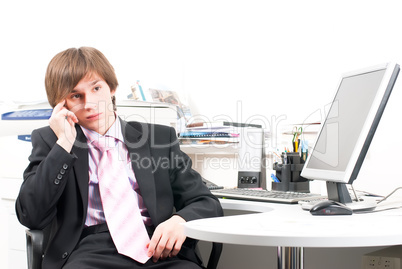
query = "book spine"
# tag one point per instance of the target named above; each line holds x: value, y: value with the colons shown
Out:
x: 238, y: 124
x: 195, y: 124
x: 141, y: 91
x: 207, y: 134
x: 225, y: 123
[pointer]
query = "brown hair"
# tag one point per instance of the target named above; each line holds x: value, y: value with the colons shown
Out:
x: 68, y: 67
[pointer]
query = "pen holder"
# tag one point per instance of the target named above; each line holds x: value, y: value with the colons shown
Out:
x: 283, y: 174
x: 288, y: 174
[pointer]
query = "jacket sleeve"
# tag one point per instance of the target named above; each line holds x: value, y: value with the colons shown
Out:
x: 192, y: 198
x: 44, y: 180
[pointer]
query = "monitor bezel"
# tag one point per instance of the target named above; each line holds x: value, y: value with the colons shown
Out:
x: 367, y: 132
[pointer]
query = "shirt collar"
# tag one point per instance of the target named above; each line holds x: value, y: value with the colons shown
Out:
x: 114, y: 131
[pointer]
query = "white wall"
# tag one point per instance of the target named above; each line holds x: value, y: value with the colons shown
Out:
x: 276, y: 57
x: 240, y: 59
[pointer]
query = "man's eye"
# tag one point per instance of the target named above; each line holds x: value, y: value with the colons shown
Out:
x: 75, y: 96
x: 97, y: 88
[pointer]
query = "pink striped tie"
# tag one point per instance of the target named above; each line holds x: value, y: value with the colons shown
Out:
x: 120, y: 204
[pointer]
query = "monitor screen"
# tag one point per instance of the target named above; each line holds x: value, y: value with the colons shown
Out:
x: 350, y: 124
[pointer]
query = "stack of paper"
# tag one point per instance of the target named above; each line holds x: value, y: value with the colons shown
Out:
x: 223, y: 132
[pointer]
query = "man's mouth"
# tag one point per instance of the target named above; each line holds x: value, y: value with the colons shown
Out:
x: 93, y: 116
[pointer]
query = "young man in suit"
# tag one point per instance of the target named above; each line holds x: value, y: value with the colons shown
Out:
x: 61, y: 188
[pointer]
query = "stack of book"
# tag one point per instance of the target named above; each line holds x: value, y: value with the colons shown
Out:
x: 223, y: 132
x: 208, y: 137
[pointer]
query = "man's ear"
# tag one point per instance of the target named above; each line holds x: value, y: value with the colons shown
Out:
x: 112, y: 93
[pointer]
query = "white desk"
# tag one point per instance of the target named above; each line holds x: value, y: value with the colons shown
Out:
x: 289, y: 226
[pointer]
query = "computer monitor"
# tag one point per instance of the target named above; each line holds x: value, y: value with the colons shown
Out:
x: 348, y: 129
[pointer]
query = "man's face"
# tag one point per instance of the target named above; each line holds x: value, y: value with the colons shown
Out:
x: 91, y: 101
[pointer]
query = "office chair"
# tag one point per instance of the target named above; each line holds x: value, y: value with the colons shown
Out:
x: 37, y: 239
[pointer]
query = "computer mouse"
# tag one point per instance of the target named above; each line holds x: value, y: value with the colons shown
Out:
x: 329, y: 207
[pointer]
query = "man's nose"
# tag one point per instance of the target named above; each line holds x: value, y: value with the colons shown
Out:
x: 89, y: 103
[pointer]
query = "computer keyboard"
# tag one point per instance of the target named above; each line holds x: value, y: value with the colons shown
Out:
x: 265, y: 195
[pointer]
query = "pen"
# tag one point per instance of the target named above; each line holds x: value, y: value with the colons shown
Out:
x: 285, y: 158
x: 279, y: 157
x: 274, y: 178
x: 296, y: 145
x: 304, y: 149
x: 296, y: 133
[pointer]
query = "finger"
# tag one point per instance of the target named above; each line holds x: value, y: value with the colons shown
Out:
x: 167, y: 250
x: 177, y: 245
x: 70, y: 120
x: 59, y: 106
x: 160, y: 248
x: 176, y: 249
x: 153, y: 243
x: 56, y: 110
x: 71, y: 117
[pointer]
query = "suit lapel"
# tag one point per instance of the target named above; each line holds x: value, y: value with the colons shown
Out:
x: 81, y: 167
x: 140, y: 155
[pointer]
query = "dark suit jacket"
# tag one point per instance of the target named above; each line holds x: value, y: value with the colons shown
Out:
x: 55, y: 189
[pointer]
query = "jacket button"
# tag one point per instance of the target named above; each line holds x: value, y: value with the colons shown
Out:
x: 59, y: 176
x: 56, y: 181
x: 65, y: 166
x: 62, y: 171
x: 65, y: 254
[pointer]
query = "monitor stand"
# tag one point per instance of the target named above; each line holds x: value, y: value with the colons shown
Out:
x: 338, y: 192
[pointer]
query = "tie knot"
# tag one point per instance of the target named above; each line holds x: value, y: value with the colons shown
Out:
x: 105, y: 143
